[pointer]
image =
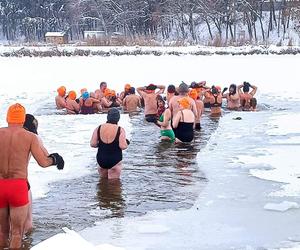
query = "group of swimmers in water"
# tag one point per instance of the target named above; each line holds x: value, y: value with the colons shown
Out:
x: 177, y: 114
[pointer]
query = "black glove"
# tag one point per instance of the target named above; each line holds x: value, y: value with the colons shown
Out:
x: 224, y: 90
x: 57, y: 160
x: 128, y: 142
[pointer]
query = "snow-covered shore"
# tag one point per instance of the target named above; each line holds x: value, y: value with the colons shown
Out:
x: 105, y: 51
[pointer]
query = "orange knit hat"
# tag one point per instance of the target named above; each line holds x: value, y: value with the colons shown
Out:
x: 184, y: 102
x: 193, y: 94
x: 107, y: 92
x: 61, y: 91
x: 16, y: 114
x: 72, y: 95
x: 127, y: 87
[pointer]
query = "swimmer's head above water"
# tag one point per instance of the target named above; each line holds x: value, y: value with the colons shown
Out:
x: 113, y: 116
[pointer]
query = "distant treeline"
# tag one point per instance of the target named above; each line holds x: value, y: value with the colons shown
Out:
x: 157, y: 19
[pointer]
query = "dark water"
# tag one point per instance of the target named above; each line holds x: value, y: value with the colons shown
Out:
x: 156, y: 176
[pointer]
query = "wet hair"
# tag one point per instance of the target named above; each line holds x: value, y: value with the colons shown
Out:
x: 159, y: 98
x: 233, y: 86
x: 132, y: 90
x: 183, y: 88
x: 214, y: 90
x: 31, y: 124
x: 102, y: 83
x: 246, y: 87
x: 171, y: 89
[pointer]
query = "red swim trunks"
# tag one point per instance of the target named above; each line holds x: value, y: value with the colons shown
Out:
x: 13, y: 192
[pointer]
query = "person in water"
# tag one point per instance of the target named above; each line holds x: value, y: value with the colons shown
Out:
x: 174, y: 106
x: 31, y: 124
x: 184, y: 121
x: 60, y: 99
x: 17, y: 145
x: 110, y: 139
x: 216, y: 101
x: 171, y: 91
x: 160, y: 106
x: 248, y: 101
x: 86, y: 104
x: 233, y: 97
x: 150, y: 96
x: 132, y: 102
x: 199, y: 105
x: 166, y: 131
x: 99, y: 93
x: 72, y: 106
x: 126, y: 92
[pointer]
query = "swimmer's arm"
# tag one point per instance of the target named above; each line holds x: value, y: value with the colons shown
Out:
x: 124, y: 102
x: 105, y: 103
x: 167, y: 116
x: 239, y: 89
x: 254, y: 89
x: 161, y: 89
x: 39, y: 152
x: 122, y: 140
x: 76, y: 106
x: 94, y: 139
x: 176, y: 120
x: 141, y: 90
x: 140, y: 103
x: 95, y: 100
x: 194, y: 109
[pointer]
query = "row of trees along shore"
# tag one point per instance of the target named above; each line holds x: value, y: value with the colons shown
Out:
x: 148, y: 19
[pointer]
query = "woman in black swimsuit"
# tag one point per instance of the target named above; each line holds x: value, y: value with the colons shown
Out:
x: 110, y: 139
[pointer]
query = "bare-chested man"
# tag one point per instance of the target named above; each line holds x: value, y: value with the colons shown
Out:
x: 132, y: 102
x: 99, y: 93
x: 60, y: 98
x: 16, y: 146
x: 183, y: 91
x: 248, y: 102
x: 149, y: 95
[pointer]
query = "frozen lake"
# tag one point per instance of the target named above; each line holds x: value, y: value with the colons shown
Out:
x: 238, y: 188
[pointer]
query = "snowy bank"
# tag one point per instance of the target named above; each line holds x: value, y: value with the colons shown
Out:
x: 67, y: 51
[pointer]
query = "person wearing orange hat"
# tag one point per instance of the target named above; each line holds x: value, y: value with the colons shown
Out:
x: 184, y: 121
x: 110, y: 99
x: 126, y: 91
x: 71, y: 104
x: 199, y: 105
x: 60, y: 99
x: 150, y: 96
x: 17, y: 145
x: 216, y: 101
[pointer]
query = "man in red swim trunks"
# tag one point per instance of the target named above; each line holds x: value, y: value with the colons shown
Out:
x: 16, y: 145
